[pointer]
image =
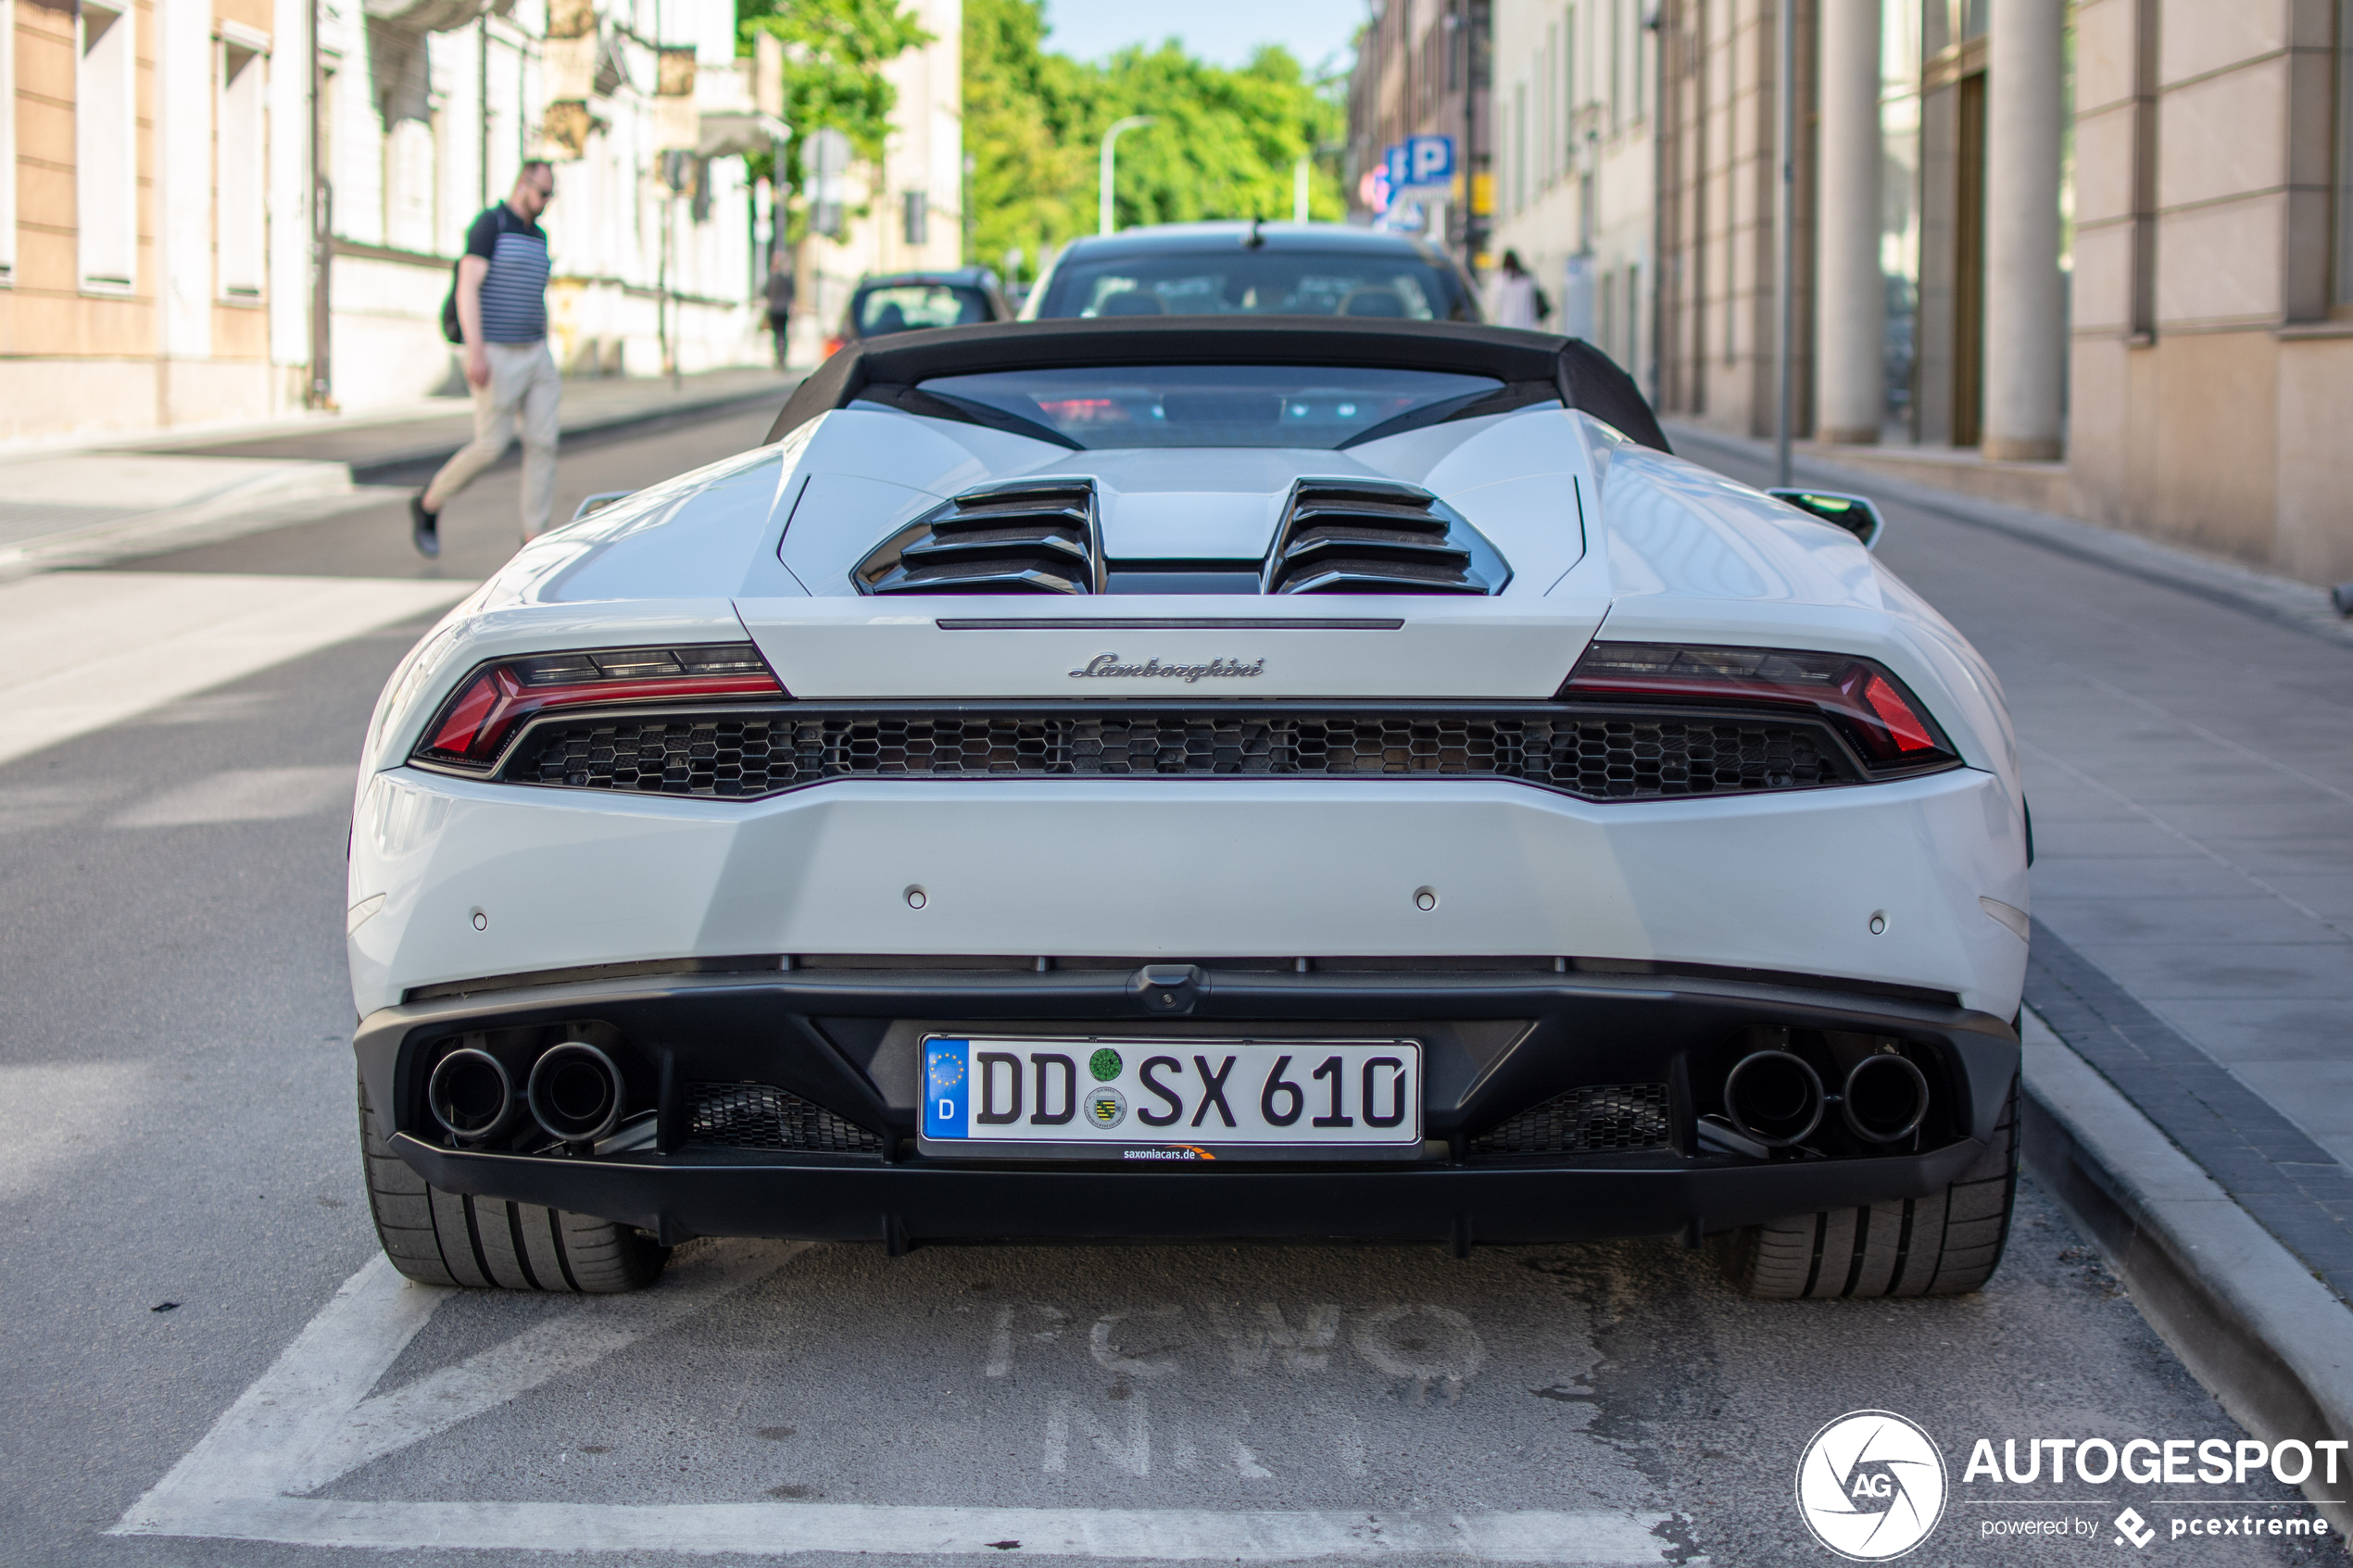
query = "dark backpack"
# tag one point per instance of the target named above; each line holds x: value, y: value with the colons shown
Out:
x: 451, y: 328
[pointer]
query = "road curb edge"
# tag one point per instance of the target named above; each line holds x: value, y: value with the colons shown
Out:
x: 2250, y: 1322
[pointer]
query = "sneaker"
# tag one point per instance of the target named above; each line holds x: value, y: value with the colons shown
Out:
x: 424, y: 527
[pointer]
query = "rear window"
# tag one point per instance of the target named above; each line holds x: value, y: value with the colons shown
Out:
x: 902, y: 306
x: 1368, y: 284
x: 1211, y: 405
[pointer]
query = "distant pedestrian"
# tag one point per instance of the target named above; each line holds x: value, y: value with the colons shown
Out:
x: 780, y: 294
x: 1517, y: 301
x: 501, y: 307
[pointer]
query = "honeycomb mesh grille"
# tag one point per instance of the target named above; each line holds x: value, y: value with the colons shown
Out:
x: 1607, y: 756
x: 762, y: 1116
x: 1597, y: 1119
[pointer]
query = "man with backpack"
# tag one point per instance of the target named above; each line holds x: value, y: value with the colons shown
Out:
x: 497, y: 309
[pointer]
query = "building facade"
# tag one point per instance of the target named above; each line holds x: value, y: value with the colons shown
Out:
x: 906, y: 212
x: 2095, y: 257
x: 158, y: 262
x: 1575, y: 166
x: 1426, y: 68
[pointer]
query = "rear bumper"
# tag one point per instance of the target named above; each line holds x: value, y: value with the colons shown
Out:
x: 1878, y: 883
x: 1496, y: 1043
x: 936, y: 1201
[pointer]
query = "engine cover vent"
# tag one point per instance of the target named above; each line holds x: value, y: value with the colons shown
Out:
x: 1378, y: 536
x: 1025, y: 536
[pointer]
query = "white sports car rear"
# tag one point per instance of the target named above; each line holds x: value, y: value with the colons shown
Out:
x: 1185, y: 778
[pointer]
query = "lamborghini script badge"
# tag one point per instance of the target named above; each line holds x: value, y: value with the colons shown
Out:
x: 1215, y: 669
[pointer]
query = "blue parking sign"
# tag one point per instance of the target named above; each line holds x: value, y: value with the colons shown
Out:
x: 1426, y: 160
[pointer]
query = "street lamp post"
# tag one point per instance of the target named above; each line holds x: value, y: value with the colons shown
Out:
x: 1103, y: 222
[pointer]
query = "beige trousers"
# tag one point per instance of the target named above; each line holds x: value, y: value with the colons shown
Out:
x: 525, y: 389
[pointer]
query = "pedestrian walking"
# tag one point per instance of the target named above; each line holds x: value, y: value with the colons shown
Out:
x: 500, y: 305
x: 780, y: 294
x: 1517, y: 301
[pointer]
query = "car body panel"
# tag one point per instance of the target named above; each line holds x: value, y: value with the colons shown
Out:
x: 1152, y: 867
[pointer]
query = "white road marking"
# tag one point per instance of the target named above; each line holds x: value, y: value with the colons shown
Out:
x: 777, y: 1529
x: 441, y: 1400
x: 246, y: 795
x: 1111, y: 1358
x: 1132, y: 1453
x: 309, y: 1419
x: 1254, y: 1338
x: 88, y: 650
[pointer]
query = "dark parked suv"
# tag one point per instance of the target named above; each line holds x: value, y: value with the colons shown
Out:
x: 900, y: 302
x: 1255, y: 269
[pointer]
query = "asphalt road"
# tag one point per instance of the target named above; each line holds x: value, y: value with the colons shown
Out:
x: 176, y: 1127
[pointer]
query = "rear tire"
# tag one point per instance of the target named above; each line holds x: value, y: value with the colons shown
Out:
x: 1946, y: 1244
x: 438, y: 1237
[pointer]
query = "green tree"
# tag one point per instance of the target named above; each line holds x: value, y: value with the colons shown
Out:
x: 1027, y: 113
x: 1225, y: 144
x: 834, y: 52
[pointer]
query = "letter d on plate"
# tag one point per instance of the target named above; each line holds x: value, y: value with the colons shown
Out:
x: 946, y: 1088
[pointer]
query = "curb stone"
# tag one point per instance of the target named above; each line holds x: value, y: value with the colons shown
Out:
x: 2253, y: 1324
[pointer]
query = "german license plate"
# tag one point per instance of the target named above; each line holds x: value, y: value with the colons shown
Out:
x: 1171, y: 1099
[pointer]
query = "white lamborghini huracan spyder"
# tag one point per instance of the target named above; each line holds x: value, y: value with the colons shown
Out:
x: 1188, y: 777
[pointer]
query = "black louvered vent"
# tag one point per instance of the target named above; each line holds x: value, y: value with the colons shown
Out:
x: 1378, y: 536
x: 1597, y: 1119
x: 1029, y: 536
x: 762, y: 1116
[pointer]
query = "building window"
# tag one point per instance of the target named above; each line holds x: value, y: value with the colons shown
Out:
x: 8, y: 144
x: 1568, y: 90
x: 239, y: 179
x: 2342, y: 291
x: 1519, y: 146
x: 106, y: 160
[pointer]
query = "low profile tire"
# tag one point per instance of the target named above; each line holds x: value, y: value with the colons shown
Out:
x: 1945, y: 1245
x: 438, y: 1237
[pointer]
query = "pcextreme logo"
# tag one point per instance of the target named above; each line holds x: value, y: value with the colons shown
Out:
x: 1870, y: 1486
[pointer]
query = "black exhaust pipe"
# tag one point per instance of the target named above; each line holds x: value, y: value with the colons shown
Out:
x: 1774, y: 1098
x: 1885, y: 1098
x: 575, y: 1092
x: 469, y: 1093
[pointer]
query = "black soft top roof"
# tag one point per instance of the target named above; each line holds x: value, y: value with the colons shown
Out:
x: 1579, y: 374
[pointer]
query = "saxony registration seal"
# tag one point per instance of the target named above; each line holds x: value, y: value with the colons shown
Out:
x: 1871, y: 1485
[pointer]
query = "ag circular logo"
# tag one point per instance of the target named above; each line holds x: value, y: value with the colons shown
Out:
x: 1871, y: 1485
x: 1106, y: 1107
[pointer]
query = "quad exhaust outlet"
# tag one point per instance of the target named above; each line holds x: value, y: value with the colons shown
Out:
x: 1885, y: 1099
x: 1774, y: 1098
x: 470, y: 1094
x: 575, y: 1092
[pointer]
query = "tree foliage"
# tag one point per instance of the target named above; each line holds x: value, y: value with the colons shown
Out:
x: 834, y: 52
x: 1225, y: 143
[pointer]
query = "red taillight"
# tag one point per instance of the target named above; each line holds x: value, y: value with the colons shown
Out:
x: 1886, y: 724
x: 496, y: 697
x: 1909, y: 730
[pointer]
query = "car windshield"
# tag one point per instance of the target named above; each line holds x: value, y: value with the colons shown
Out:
x: 1210, y: 405
x: 898, y: 307
x: 1379, y: 284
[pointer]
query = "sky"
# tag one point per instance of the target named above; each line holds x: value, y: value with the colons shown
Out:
x: 1225, y: 32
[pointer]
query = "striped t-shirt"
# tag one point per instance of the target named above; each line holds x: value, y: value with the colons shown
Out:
x: 514, y: 292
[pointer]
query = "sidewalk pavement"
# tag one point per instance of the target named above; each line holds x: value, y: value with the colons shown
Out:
x: 84, y: 507
x: 389, y: 447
